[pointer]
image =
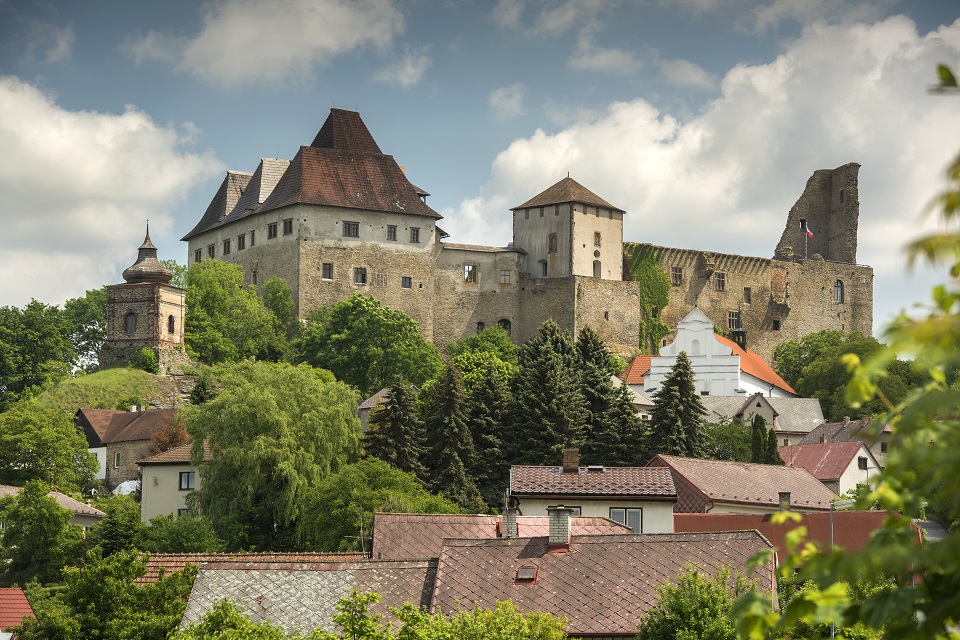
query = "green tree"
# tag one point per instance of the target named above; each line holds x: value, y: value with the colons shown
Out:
x: 38, y: 540
x: 395, y: 432
x: 488, y: 414
x: 697, y: 607
x: 121, y: 528
x: 367, y: 344
x: 43, y: 444
x: 274, y: 431
x: 758, y: 439
x: 342, y: 506
x: 550, y: 411
x: 676, y: 423
x: 35, y: 350
x: 187, y: 533
x: 88, y: 325
x: 450, y: 452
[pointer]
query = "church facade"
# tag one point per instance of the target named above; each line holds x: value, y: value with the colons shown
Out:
x: 341, y: 217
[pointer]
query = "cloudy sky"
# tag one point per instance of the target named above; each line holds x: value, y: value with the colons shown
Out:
x: 702, y: 119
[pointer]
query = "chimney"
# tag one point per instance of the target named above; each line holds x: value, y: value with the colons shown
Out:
x: 510, y: 523
x: 571, y: 460
x: 559, y: 517
x: 784, y: 500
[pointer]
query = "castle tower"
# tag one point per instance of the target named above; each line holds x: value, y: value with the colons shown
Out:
x: 145, y: 312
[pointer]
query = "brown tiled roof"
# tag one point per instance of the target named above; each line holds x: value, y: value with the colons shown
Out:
x: 567, y: 190
x: 825, y: 461
x: 635, y: 371
x: 177, y: 455
x: 223, y: 202
x: 399, y: 536
x: 606, y: 481
x: 13, y: 608
x: 747, y: 483
x: 753, y: 364
x: 65, y: 501
x: 173, y: 562
x: 602, y: 585
x: 103, y: 426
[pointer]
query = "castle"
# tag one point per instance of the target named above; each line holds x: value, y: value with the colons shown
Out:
x: 341, y: 217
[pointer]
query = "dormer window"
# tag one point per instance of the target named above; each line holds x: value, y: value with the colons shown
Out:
x: 527, y: 574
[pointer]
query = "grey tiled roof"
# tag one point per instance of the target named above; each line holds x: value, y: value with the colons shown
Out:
x: 606, y: 481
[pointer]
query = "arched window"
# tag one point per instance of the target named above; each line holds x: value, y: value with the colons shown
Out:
x: 130, y: 324
x: 504, y: 324
x: 171, y: 324
x: 838, y: 291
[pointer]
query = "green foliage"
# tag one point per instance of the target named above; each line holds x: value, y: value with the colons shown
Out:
x: 395, y: 432
x: 653, y: 293
x: 43, y: 444
x: 332, y: 519
x: 698, y: 607
x: 121, y: 528
x: 488, y: 414
x: 676, y: 423
x: 35, y: 351
x: 147, y: 361
x: 87, y: 317
x: 274, y: 431
x: 37, y: 539
x: 367, y: 344
x: 179, y: 273
x: 728, y: 440
x: 106, y: 389
x: 188, y: 533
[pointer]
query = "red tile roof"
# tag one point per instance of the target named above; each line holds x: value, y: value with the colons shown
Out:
x: 606, y: 481
x: 173, y: 562
x: 745, y: 483
x: 177, y: 455
x: 13, y: 608
x: 635, y: 371
x: 65, y: 501
x: 104, y: 426
x: 602, y: 585
x: 567, y: 190
x: 825, y: 461
x: 399, y: 536
x: 754, y: 365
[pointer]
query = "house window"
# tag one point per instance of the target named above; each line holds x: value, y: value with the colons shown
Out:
x: 862, y: 463
x: 226, y: 247
x: 719, y: 281
x: 747, y: 296
x: 504, y: 324
x: 596, y: 238
x: 171, y: 324
x: 253, y: 238
x: 543, y: 268
x: 776, y: 324
x: 182, y: 512
x: 188, y: 480
x: 197, y: 255
x: 327, y: 271
x: 359, y: 275
x: 271, y: 231
x: 504, y: 276
x: 130, y: 323
x: 553, y: 243
x: 288, y: 227
x: 406, y: 282
x: 470, y: 273
x: 116, y: 459
x: 212, y: 250
x: 351, y: 229
x: 414, y: 235
x: 838, y: 291
x: 480, y: 327
x: 241, y: 242
x: 732, y: 319
x: 676, y: 276
x: 391, y: 232
x: 633, y: 518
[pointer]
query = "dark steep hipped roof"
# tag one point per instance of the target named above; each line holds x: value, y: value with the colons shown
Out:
x: 567, y: 190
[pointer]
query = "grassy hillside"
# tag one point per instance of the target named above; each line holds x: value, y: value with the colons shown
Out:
x: 104, y: 389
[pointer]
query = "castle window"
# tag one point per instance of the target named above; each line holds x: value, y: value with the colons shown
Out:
x: 226, y: 247
x: 731, y: 319
x: 212, y: 250
x: 747, y: 295
x: 327, y: 271
x: 130, y: 323
x: 271, y: 231
x: 480, y: 327
x: 676, y: 276
x: 470, y: 273
x: 776, y: 324
x: 543, y: 268
x: 406, y: 282
x: 504, y: 276
x: 351, y: 229
x: 552, y: 243
x: 288, y: 226
x: 360, y: 275
x: 719, y: 281
x: 197, y: 255
x: 504, y: 324
x: 241, y: 242
x: 171, y: 324
x: 596, y: 269
x: 838, y: 291
x: 414, y: 235
x: 596, y: 238
x: 253, y: 238
x: 391, y: 232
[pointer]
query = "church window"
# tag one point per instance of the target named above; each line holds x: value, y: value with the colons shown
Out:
x: 732, y: 319
x: 197, y: 255
x: 552, y: 243
x: 226, y: 247
x: 838, y: 291
x: 212, y: 250
x: 288, y: 226
x: 504, y: 324
x: 596, y: 238
x: 747, y: 295
x: 391, y: 232
x: 719, y: 281
x: 171, y: 324
x: 130, y: 323
x: 360, y: 275
x: 471, y: 273
x: 253, y: 238
x: 327, y: 271
x: 406, y: 282
x: 414, y: 234
x: 504, y: 276
x: 241, y: 242
x: 351, y: 229
x: 271, y: 231
x: 543, y: 268
x: 676, y: 276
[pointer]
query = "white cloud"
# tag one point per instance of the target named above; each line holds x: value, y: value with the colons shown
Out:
x: 78, y: 186
x: 407, y: 71
x: 248, y: 42
x: 594, y: 59
x: 507, y: 102
x: 726, y: 179
x: 683, y: 73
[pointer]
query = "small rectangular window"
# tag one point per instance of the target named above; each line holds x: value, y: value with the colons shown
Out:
x: 596, y: 238
x: 253, y: 238
x: 188, y: 480
x: 359, y: 275
x: 676, y: 276
x: 288, y: 227
x: 241, y: 242
x: 470, y: 273
x: 414, y: 235
x: 719, y: 281
x: 732, y: 319
x: 504, y: 276
x: 271, y: 231
x: 212, y: 250
x: 226, y: 247
x: 552, y: 243
x: 406, y: 282
x: 351, y: 229
x: 747, y: 295
x: 116, y: 459
x: 391, y: 232
x: 197, y: 255
x: 327, y: 271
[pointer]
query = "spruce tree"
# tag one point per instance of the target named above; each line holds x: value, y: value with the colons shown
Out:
x: 758, y: 439
x: 395, y: 432
x: 550, y: 411
x: 773, y: 454
x: 676, y: 424
x: 487, y: 415
x: 450, y: 445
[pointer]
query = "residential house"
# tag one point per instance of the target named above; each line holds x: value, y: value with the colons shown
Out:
x: 400, y: 536
x: 120, y: 438
x: 876, y: 437
x: 725, y: 486
x: 14, y: 607
x: 168, y: 478
x: 83, y: 514
x: 841, y: 466
x: 640, y: 497
x: 790, y: 418
x: 721, y: 366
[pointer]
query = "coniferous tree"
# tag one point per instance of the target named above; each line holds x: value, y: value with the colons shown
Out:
x: 395, y: 432
x: 550, y: 412
x: 450, y: 450
x: 773, y: 454
x: 758, y: 439
x: 676, y: 425
x: 487, y: 414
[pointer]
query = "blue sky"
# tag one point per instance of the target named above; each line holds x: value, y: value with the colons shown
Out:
x: 702, y: 119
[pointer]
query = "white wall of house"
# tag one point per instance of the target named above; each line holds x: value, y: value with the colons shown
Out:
x: 160, y: 489
x: 657, y: 516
